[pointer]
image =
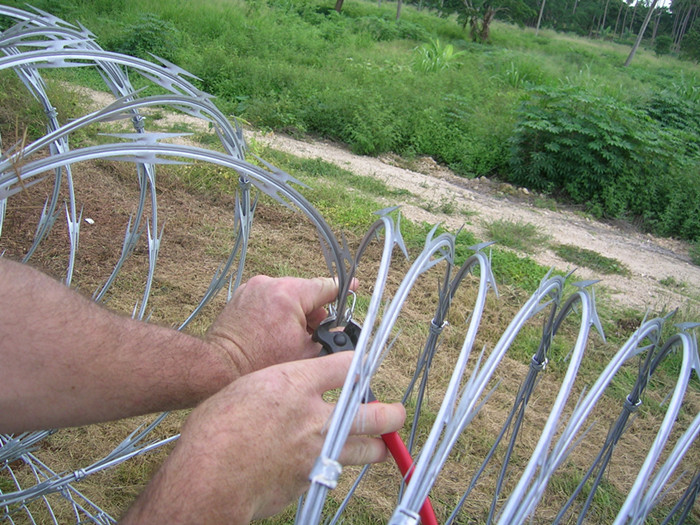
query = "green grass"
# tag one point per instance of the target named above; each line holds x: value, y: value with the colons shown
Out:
x: 590, y: 259
x: 695, y: 253
x: 301, y: 68
x: 518, y: 235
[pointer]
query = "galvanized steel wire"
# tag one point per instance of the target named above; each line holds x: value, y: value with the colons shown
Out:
x: 39, y: 40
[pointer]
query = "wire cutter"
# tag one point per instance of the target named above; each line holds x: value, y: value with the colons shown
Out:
x: 333, y: 340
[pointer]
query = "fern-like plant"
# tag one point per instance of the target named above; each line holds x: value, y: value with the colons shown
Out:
x: 617, y: 160
x: 435, y: 56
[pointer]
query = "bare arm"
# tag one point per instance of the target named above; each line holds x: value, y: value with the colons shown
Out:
x: 66, y: 361
x: 247, y: 452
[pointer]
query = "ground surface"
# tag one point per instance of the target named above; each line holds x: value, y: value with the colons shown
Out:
x: 650, y: 259
x: 198, y: 235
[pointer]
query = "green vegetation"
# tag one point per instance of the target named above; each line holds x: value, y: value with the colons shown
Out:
x: 695, y: 253
x: 518, y: 235
x: 435, y: 56
x: 590, y: 259
x: 609, y: 156
x: 550, y: 111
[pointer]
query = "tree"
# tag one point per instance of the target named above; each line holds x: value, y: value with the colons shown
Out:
x: 539, y: 18
x: 641, y: 32
x: 478, y: 14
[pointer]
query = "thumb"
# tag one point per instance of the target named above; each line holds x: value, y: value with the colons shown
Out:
x: 327, y: 372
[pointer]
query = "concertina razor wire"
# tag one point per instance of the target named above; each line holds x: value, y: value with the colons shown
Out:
x: 37, y: 40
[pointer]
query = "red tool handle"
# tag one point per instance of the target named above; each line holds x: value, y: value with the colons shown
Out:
x: 403, y: 459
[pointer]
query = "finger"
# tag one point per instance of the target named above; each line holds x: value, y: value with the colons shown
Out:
x: 361, y: 450
x: 327, y: 372
x: 315, y: 318
x: 317, y: 292
x: 379, y: 418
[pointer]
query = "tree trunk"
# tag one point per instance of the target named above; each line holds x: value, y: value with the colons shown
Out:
x: 338, y: 5
x: 656, y: 27
x: 641, y: 33
x: 398, y: 9
x: 684, y: 27
x: 575, y: 6
x: 539, y: 18
x: 485, y: 32
x: 605, y: 16
x: 624, y: 20
x: 676, y: 21
x: 619, y: 12
x: 634, y: 12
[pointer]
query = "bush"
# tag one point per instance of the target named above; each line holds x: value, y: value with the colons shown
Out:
x: 148, y: 35
x: 615, y: 159
x: 690, y: 45
x: 579, y: 144
x: 662, y: 45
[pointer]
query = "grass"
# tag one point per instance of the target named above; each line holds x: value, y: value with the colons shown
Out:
x: 517, y: 235
x: 348, y: 202
x: 590, y: 259
x: 695, y: 253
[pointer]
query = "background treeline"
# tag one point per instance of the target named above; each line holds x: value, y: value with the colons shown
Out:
x: 670, y: 27
x: 547, y: 110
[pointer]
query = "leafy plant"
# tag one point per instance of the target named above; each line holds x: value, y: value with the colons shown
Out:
x: 435, y: 56
x: 149, y: 34
x: 599, y: 152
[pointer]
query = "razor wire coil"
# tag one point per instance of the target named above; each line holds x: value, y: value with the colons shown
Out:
x: 39, y: 40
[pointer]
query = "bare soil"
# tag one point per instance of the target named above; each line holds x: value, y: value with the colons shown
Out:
x: 649, y: 259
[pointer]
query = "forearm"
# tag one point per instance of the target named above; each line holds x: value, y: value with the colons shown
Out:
x: 67, y: 361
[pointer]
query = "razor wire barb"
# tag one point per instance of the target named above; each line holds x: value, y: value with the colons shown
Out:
x: 39, y: 40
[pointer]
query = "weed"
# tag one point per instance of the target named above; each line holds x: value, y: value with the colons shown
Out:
x: 518, y: 235
x: 435, y: 56
x: 546, y: 203
x: 590, y: 259
x: 694, y: 253
x: 671, y: 282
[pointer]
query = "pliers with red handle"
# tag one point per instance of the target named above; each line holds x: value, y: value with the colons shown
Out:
x: 334, y: 340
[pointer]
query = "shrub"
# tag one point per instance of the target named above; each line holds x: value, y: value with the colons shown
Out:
x: 690, y: 45
x: 615, y: 159
x: 149, y: 34
x: 592, y: 149
x: 662, y: 45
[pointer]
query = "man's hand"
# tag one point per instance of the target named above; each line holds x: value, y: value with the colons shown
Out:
x: 247, y: 452
x: 270, y: 321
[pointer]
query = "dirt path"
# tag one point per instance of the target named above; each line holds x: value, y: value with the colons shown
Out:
x: 649, y: 259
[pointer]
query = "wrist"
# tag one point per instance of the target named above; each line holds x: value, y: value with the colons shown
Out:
x: 233, y: 360
x: 187, y: 490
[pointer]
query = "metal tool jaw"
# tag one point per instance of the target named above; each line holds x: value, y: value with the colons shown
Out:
x: 333, y: 340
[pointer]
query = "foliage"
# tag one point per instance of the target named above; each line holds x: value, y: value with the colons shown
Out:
x: 609, y: 156
x: 148, y: 35
x: 590, y: 259
x: 435, y: 56
x: 690, y: 46
x: 662, y: 45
